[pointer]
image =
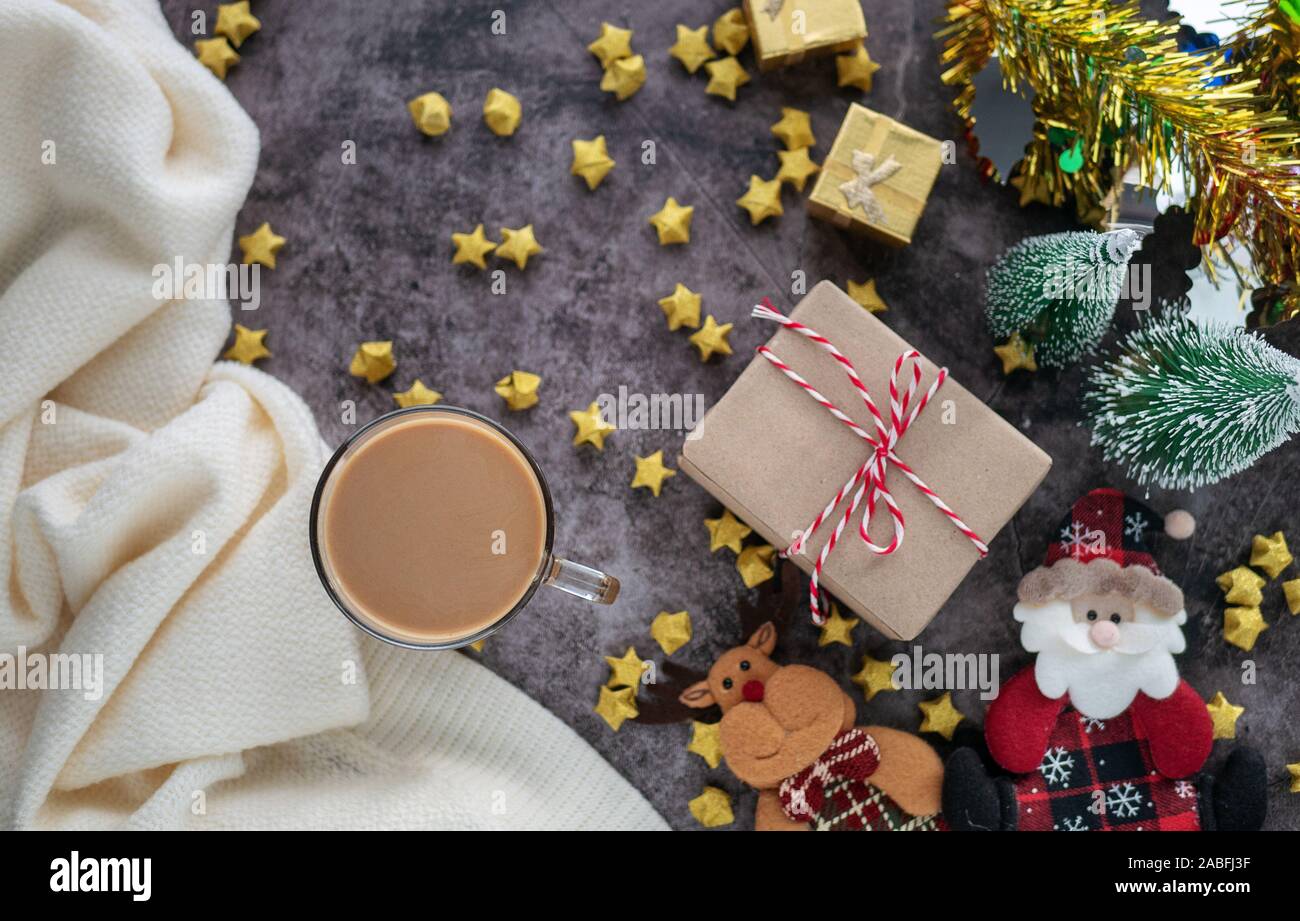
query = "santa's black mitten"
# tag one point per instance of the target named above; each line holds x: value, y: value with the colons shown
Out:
x: 972, y: 737
x: 1239, y: 794
x: 972, y: 801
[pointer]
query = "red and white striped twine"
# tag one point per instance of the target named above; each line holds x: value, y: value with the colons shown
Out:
x: 872, y: 472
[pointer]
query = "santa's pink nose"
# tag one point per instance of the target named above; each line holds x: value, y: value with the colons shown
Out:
x: 1104, y: 634
x: 752, y: 691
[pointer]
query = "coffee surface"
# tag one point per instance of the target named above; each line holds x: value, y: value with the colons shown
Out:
x: 433, y: 528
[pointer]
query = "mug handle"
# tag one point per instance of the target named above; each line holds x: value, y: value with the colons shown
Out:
x: 583, y: 581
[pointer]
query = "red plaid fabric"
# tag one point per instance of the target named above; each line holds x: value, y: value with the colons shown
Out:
x: 1097, y: 775
x: 858, y: 805
x: 834, y: 794
x: 852, y: 756
x: 1106, y: 524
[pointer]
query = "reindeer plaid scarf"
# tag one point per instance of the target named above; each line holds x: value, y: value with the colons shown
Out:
x: 834, y: 794
x: 852, y: 756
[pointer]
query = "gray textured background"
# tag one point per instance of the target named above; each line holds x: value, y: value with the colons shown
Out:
x: 369, y: 257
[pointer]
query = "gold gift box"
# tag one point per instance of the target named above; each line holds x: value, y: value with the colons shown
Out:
x: 900, y: 196
x: 786, y: 31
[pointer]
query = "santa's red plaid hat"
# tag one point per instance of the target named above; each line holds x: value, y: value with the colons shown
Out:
x: 1103, y: 547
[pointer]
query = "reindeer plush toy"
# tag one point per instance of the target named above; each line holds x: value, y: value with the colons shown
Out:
x: 789, y: 731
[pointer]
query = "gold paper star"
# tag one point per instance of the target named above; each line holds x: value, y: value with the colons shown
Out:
x: 762, y: 199
x: 682, y: 308
x: 616, y: 706
x: 706, y: 741
x: 431, y: 113
x: 591, y: 160
x: 866, y: 295
x: 837, y: 629
x: 794, y: 129
x: 614, y: 43
x: 712, y: 338
x: 236, y: 22
x: 671, y: 631
x: 1294, y: 770
x: 625, y: 672
x: 1291, y: 589
x: 1033, y: 189
x: 517, y: 245
x: 261, y: 246
x: 374, y: 361
x: 624, y: 77
x: 673, y: 222
x: 692, y: 47
x: 712, y: 808
x: 755, y: 564
x: 726, y: 531
x: 472, y: 247
x: 1225, y: 716
x: 796, y: 167
x: 248, y: 346
x: 591, y: 427
x: 724, y: 78
x: 940, y: 716
x: 1270, y: 554
x: 502, y: 112
x: 216, y: 55
x: 651, y: 473
x: 1015, y: 354
x: 417, y: 395
x: 1241, y: 586
x: 1242, y: 626
x: 731, y: 31
x: 875, y: 676
x: 477, y: 645
x: 519, y: 389
x: 856, y: 69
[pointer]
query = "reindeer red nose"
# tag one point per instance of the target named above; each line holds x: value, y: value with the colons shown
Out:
x: 752, y: 691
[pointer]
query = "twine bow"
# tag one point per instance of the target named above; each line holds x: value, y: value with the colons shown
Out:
x: 869, y: 480
x: 858, y: 191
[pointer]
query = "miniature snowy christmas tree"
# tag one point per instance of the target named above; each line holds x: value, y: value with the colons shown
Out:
x: 1189, y: 403
x: 1059, y: 291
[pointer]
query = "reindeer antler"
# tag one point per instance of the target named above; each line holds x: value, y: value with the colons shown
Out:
x: 660, y: 703
x: 776, y: 601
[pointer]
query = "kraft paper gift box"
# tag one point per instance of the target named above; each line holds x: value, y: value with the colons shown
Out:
x: 775, y: 457
x: 877, y: 177
x: 786, y: 31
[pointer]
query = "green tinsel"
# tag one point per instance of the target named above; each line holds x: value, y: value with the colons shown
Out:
x: 1059, y: 291
x: 1189, y: 403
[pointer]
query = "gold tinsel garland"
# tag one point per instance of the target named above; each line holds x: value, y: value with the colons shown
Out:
x: 1268, y: 43
x: 1117, y: 85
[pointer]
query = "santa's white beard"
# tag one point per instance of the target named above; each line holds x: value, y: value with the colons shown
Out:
x: 1101, y: 683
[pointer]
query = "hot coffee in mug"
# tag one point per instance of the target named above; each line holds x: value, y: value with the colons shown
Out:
x: 432, y: 526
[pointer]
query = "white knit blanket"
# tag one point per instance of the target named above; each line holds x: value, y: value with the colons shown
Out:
x: 153, y: 505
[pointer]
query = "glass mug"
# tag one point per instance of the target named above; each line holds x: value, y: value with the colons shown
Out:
x: 432, y: 527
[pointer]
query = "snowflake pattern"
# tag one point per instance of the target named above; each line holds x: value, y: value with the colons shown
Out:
x: 1089, y: 724
x: 1076, y: 823
x: 1184, y: 789
x: 1072, y: 539
x: 1135, y: 526
x: 1113, y: 785
x: 1057, y: 766
x: 1081, y: 543
x: 1123, y: 800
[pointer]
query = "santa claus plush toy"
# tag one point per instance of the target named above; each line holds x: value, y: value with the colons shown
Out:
x: 1100, y: 733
